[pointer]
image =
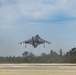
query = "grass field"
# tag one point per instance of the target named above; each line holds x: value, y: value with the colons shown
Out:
x: 37, y: 69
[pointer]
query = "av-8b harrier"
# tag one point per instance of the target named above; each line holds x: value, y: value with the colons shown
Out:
x: 35, y: 41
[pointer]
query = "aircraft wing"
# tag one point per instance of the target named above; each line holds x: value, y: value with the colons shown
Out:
x: 43, y: 41
x: 29, y: 41
x: 48, y: 42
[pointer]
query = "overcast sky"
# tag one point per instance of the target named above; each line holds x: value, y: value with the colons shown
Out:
x: 53, y: 20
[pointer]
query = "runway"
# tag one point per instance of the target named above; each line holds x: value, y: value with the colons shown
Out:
x: 37, y: 69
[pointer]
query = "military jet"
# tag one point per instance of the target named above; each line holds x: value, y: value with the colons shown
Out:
x: 35, y: 41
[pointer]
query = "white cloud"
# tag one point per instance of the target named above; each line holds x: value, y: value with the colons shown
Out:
x: 10, y: 12
x: 68, y: 6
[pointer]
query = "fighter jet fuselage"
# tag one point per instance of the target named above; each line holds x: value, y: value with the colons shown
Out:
x: 35, y: 41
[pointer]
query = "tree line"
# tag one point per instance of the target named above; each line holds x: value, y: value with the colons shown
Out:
x: 52, y: 57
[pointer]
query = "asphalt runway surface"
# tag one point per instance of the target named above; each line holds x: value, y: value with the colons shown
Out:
x: 37, y: 69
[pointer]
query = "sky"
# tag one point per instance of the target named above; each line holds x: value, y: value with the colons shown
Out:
x: 53, y: 20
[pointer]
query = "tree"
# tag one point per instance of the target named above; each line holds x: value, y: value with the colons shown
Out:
x: 70, y: 56
x: 60, y: 52
x: 52, y: 57
x: 43, y: 54
x: 25, y: 54
x: 31, y: 55
x: 31, y: 58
